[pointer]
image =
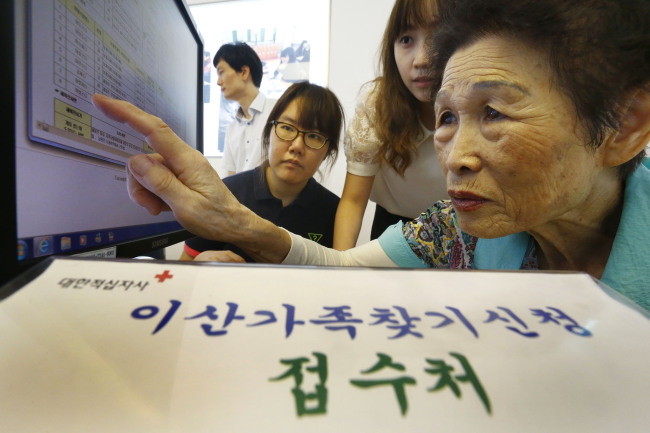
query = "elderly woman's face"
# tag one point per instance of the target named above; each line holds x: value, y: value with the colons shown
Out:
x: 509, y: 142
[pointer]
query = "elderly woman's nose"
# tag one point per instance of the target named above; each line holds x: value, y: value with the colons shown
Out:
x: 462, y: 153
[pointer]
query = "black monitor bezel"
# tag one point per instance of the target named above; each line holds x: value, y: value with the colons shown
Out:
x: 10, y: 266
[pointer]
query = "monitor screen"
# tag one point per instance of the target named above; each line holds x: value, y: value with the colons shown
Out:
x: 64, y: 175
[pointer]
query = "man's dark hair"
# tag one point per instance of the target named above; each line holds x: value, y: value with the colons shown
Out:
x: 238, y: 55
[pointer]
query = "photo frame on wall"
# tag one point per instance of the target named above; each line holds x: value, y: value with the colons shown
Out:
x: 291, y: 38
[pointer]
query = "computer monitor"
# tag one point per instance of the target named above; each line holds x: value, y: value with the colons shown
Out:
x: 63, y: 162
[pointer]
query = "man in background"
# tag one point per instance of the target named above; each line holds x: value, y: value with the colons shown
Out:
x: 239, y: 72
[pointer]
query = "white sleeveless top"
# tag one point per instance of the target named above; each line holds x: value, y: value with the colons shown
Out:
x: 423, y: 183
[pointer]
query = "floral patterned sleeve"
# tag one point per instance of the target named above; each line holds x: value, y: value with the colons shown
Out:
x: 361, y: 144
x: 436, y: 239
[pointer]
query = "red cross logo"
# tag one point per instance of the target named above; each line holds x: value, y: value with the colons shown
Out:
x: 162, y: 277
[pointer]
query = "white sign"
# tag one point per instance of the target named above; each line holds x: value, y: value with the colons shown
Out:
x: 135, y: 346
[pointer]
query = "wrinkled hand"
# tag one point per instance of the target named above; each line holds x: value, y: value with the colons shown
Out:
x: 226, y: 256
x: 177, y: 178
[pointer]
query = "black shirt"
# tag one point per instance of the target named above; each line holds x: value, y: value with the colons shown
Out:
x: 311, y: 215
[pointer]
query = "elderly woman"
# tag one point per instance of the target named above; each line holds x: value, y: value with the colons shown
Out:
x: 542, y: 117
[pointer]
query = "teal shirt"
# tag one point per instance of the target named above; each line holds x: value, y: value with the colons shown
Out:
x: 628, y: 267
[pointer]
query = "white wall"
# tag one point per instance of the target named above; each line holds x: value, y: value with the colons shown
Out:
x: 356, y: 29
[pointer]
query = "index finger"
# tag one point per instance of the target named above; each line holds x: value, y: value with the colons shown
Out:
x: 156, y: 132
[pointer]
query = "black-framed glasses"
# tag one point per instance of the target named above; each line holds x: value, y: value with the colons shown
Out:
x: 288, y: 132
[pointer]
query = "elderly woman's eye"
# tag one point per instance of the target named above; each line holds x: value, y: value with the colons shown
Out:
x: 446, y: 118
x: 492, y: 114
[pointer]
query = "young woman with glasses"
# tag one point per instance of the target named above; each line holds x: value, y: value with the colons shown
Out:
x: 303, y: 130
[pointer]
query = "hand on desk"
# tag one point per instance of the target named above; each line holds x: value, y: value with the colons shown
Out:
x: 219, y: 256
x: 180, y: 179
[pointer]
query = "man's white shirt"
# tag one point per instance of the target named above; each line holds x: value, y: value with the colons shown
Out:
x: 243, y: 143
